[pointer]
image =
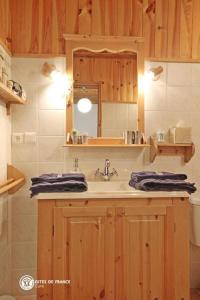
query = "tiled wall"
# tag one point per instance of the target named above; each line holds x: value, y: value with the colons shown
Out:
x: 173, y: 98
x: 5, y: 221
x: 117, y: 117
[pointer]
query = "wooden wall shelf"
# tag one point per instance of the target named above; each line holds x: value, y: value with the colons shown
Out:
x: 14, y: 182
x: 186, y: 150
x: 8, y: 97
x: 107, y: 146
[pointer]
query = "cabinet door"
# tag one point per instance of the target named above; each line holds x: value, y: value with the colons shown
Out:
x: 84, y: 253
x: 140, y: 254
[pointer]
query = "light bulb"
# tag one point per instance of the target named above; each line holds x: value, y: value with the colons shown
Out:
x: 56, y: 76
x: 84, y: 105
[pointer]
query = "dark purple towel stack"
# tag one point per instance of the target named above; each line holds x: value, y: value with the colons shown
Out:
x: 163, y: 181
x: 55, y: 183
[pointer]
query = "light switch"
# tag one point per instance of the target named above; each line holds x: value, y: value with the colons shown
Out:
x: 18, y: 138
x: 30, y: 137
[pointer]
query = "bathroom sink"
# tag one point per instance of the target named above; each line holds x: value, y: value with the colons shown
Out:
x: 112, y: 190
x: 109, y: 187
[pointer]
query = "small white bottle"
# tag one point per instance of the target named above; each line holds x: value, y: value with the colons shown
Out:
x: 76, y: 166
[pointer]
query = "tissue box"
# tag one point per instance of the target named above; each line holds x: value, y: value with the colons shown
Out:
x: 180, y: 135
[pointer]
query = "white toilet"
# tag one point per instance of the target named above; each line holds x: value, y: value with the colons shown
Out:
x: 195, y: 221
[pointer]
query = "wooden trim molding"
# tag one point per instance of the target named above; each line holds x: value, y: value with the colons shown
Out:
x: 113, y: 44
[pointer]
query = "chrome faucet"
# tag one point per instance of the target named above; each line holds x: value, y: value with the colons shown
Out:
x: 106, y: 174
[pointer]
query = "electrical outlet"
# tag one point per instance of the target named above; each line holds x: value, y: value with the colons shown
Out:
x: 18, y: 138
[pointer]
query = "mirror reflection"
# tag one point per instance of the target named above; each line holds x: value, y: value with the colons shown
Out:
x: 87, y: 109
x: 105, y: 93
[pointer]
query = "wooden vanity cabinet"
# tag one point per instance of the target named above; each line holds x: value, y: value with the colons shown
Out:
x: 131, y: 249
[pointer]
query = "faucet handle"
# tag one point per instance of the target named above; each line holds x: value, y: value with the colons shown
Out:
x: 115, y: 172
x: 97, y: 172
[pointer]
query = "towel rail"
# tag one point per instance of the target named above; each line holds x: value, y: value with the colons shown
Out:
x: 14, y: 182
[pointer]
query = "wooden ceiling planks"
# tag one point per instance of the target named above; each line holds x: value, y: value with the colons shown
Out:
x: 171, y: 28
x: 38, y: 25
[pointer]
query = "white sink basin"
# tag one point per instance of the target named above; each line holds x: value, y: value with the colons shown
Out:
x: 109, y: 187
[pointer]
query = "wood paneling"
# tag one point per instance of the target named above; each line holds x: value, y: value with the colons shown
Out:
x: 140, y: 248
x: 5, y: 23
x: 38, y: 25
x: 171, y: 27
x: 84, y: 252
x: 196, y: 30
x: 118, y: 75
x: 114, y: 249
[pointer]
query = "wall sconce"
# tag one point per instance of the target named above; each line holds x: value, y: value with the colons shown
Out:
x: 48, y: 69
x: 60, y: 80
x: 154, y: 73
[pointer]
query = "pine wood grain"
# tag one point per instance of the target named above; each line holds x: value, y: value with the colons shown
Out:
x: 118, y: 76
x: 38, y: 26
x: 5, y: 20
x: 84, y: 252
x: 115, y: 249
x: 171, y: 27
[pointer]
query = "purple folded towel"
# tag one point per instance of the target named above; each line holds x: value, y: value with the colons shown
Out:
x: 54, y: 177
x: 55, y: 183
x: 165, y: 185
x: 138, y: 176
x: 164, y: 181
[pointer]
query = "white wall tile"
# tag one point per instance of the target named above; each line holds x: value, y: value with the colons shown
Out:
x: 28, y: 70
x: 24, y: 119
x: 179, y: 74
x: 24, y: 255
x: 156, y: 98
x: 52, y: 122
x: 24, y: 153
x: 49, y: 98
x: 179, y: 99
x: 47, y: 167
x: 24, y: 228
x: 23, y: 205
x: 195, y: 74
x: 51, y: 149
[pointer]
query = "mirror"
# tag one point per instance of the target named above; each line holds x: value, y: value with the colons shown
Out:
x: 87, y: 109
x: 106, y: 83
x: 108, y: 72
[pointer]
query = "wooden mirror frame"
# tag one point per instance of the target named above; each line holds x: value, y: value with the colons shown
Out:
x: 113, y: 44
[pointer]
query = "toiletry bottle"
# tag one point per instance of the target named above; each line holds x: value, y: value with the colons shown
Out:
x: 76, y: 166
